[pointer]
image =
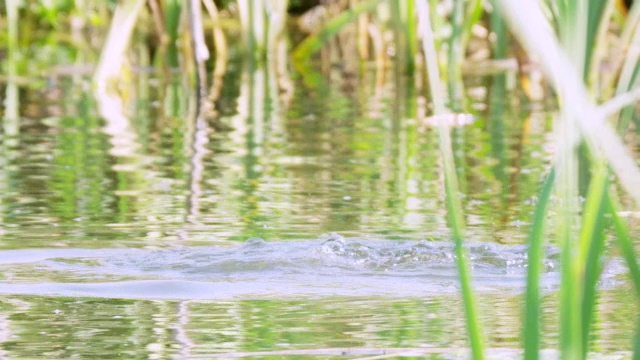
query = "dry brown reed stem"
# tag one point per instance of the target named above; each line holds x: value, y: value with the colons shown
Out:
x: 158, y: 21
x: 377, y: 41
x: 219, y: 40
x: 363, y: 36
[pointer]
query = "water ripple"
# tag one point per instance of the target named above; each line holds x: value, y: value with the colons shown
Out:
x: 330, y: 265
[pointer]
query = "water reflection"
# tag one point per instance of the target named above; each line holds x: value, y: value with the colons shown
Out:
x: 80, y: 327
x: 332, y: 159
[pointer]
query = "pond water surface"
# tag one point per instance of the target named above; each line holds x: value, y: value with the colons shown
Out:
x: 310, y: 226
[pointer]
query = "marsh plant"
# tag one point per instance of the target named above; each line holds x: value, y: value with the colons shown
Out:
x: 588, y: 52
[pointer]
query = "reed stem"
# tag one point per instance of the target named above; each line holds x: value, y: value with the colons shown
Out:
x: 452, y: 197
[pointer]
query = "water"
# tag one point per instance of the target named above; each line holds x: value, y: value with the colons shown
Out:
x: 331, y: 266
x: 189, y: 239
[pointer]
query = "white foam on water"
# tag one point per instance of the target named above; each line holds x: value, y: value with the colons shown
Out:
x: 329, y: 266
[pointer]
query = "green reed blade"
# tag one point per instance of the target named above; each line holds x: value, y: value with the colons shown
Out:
x: 636, y: 341
x: 531, y: 333
x: 315, y: 42
x: 570, y: 304
x: 625, y: 243
x: 173, y: 9
x: 566, y: 163
x: 498, y: 28
x: 596, y: 11
x: 452, y: 198
x: 628, y: 253
x: 592, y: 245
x: 172, y: 13
x: 565, y: 69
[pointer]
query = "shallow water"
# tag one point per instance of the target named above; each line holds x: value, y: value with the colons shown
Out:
x: 179, y: 238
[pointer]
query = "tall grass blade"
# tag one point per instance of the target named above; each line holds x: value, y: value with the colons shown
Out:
x: 570, y: 304
x: 636, y: 341
x: 497, y: 25
x: 592, y: 246
x: 313, y: 43
x: 628, y: 253
x: 537, y: 37
x: 454, y: 208
x: 534, y: 268
x: 596, y: 10
x: 566, y: 163
x: 172, y: 20
x: 625, y: 243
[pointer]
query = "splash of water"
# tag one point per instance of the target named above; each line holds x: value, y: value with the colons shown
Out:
x: 330, y: 265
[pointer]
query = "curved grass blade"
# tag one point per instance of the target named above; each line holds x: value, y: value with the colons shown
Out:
x: 625, y: 243
x: 592, y: 246
x: 313, y: 43
x: 534, y: 268
x: 628, y: 253
x: 636, y: 342
x: 454, y: 209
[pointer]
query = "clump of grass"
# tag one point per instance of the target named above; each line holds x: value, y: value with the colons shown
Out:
x: 566, y: 67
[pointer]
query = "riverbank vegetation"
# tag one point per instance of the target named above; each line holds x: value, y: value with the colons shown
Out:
x: 579, y: 57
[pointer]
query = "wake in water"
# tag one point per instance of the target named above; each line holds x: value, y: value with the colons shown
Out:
x: 330, y: 265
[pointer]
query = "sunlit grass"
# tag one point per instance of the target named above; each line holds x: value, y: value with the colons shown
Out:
x: 583, y: 254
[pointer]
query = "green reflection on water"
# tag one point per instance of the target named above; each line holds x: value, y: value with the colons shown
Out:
x: 333, y: 160
x: 65, y: 327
